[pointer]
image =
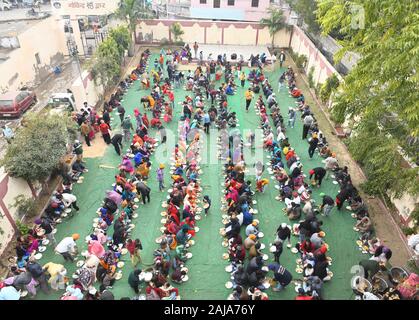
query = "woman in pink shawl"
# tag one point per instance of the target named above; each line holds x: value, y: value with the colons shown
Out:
x: 96, y: 248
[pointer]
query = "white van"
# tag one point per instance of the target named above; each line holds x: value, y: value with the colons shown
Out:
x: 62, y: 102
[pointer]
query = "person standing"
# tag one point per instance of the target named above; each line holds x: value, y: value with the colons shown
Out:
x: 291, y: 117
x: 117, y: 142
x: 171, y: 96
x: 78, y: 150
x: 163, y: 134
x: 307, y: 122
x: 313, y: 145
x: 327, y: 204
x: 134, y: 280
x: 201, y: 58
x: 195, y: 48
x: 127, y: 127
x: 160, y: 177
x: 330, y: 164
x: 67, y: 246
x: 281, y: 58
x: 249, y: 96
x: 121, y: 111
x: 107, y: 118
x: 207, y: 122
x: 38, y: 275
x: 242, y: 78
x: 318, y: 174
x: 134, y: 248
x: 8, y: 133
x: 104, y: 129
x: 145, y: 191
x: 207, y: 204
x: 85, y: 131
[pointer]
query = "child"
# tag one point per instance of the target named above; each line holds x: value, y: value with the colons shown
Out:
x: 207, y: 204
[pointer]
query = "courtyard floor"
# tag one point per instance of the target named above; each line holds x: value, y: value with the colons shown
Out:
x: 207, y: 276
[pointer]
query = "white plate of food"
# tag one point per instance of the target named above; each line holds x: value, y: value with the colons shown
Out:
x: 96, y: 220
x: 136, y: 200
x: 254, y: 202
x: 42, y: 248
x: 196, y: 229
x: 124, y: 251
x: 59, y: 220
x: 185, y: 278
x: 299, y: 270
x: 163, y: 213
x: 294, y: 250
x: 45, y: 242
x: 229, y: 268
x: 225, y: 256
x: 262, y: 246
x: 224, y: 244
x: 159, y: 240
x: 120, y: 264
x: 266, y: 284
x: 80, y: 263
x: 118, y: 276
x: 189, y: 255
x: 23, y: 293
x: 162, y: 229
x: 356, y: 229
x: 54, y: 231
x: 335, y: 182
x: 75, y: 276
x: 277, y: 187
x: 272, y: 249
x: 260, y: 235
x: 289, y: 245
x: 170, y: 190
x: 163, y: 221
x: 164, y: 205
x: 265, y: 257
x: 135, y: 215
x: 184, y: 269
x: 229, y: 285
x: 38, y: 256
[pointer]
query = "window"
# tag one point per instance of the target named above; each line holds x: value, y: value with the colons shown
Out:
x: 216, y: 3
x: 203, y: 1
x: 255, y: 3
x: 20, y: 97
x: 37, y: 58
x: 230, y: 2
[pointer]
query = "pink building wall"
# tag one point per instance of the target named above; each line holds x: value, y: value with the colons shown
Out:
x: 241, y: 7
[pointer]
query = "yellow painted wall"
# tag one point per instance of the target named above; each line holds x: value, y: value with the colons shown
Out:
x: 213, y: 35
x: 194, y: 33
x: 235, y: 36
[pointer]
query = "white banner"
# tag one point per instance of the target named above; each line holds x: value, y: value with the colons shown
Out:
x: 84, y: 7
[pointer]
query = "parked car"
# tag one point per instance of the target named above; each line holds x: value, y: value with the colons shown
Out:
x: 61, y: 103
x: 14, y: 104
x: 5, y: 5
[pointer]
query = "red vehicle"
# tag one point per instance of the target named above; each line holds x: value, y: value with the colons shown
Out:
x: 14, y: 104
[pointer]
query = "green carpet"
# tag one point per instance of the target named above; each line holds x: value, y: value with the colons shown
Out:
x: 206, y: 269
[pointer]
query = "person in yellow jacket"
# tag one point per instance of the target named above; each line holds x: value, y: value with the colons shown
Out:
x: 249, y: 96
x: 242, y: 78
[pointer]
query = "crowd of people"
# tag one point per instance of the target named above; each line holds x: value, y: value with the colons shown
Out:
x: 205, y: 106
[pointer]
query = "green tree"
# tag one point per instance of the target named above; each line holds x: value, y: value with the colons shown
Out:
x: 122, y: 37
x: 38, y: 146
x: 105, y: 65
x: 306, y: 10
x: 275, y: 22
x: 380, y: 94
x: 177, y: 31
x: 131, y: 11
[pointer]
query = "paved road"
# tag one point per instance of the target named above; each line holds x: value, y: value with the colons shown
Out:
x: 20, y: 14
x: 53, y: 84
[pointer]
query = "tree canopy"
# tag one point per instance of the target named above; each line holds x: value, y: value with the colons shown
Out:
x: 380, y: 94
x: 38, y: 146
x: 275, y: 21
x: 122, y: 37
x: 133, y: 10
x: 105, y: 65
x: 307, y: 12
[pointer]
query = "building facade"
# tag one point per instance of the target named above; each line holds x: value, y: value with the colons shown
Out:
x: 244, y: 10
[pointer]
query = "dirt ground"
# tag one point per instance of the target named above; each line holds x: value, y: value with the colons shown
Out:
x: 385, y: 223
